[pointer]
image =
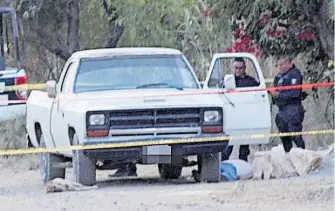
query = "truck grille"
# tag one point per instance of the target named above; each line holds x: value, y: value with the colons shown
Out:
x: 155, y: 118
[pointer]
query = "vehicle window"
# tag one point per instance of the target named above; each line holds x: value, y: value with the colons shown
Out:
x: 216, y: 78
x: 68, y: 78
x: 243, y: 69
x: 134, y: 73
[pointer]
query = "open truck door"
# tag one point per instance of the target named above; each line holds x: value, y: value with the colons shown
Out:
x: 245, y: 113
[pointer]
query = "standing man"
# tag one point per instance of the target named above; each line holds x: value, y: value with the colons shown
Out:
x: 242, y: 80
x: 291, y: 112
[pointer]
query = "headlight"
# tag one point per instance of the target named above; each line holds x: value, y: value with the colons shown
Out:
x: 211, y: 116
x: 97, y: 119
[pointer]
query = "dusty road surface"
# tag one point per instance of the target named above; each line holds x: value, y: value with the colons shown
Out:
x: 21, y: 189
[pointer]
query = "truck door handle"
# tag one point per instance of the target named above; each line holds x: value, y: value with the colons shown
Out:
x: 258, y: 94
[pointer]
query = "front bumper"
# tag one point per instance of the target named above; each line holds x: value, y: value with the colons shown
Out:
x: 159, y: 153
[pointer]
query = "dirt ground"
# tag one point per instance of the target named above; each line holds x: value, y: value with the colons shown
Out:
x: 22, y: 189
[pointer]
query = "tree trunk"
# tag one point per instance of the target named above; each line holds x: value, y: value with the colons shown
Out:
x: 115, y: 30
x: 73, y: 39
x: 115, y: 33
x: 52, y: 44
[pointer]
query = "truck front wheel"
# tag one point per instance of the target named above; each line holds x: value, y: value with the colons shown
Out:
x: 84, y: 168
x: 47, y: 160
x: 167, y: 171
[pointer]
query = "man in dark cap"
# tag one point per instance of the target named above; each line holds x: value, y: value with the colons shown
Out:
x: 291, y: 111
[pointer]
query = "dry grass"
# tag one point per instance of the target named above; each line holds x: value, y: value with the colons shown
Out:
x: 12, y: 137
x: 12, y: 133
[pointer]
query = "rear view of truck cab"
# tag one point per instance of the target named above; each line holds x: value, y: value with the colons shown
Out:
x: 11, y: 71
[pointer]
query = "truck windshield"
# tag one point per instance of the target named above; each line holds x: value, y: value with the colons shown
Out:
x: 136, y: 72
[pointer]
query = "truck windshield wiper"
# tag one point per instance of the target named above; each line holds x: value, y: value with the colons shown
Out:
x: 158, y: 84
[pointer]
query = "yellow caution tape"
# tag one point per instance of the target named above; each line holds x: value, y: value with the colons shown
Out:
x: 37, y: 86
x: 156, y: 142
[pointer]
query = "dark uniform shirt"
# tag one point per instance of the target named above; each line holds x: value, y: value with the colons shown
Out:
x: 245, y: 81
x: 290, y: 96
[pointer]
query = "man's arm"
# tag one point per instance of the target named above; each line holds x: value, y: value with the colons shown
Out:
x: 275, y: 80
x: 294, y: 79
x: 256, y: 83
x: 252, y: 81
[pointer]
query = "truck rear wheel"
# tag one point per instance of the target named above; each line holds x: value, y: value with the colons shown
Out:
x: 167, y: 171
x: 47, y: 160
x: 84, y: 168
x: 210, y: 167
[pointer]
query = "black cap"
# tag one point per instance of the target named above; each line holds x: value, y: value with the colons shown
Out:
x: 239, y: 59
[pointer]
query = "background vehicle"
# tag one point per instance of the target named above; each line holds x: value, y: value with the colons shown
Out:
x: 11, y: 56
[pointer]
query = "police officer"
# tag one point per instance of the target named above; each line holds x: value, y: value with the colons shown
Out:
x: 291, y: 111
x: 242, y: 80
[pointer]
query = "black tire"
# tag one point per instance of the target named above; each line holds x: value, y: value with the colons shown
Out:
x: 47, y: 160
x: 167, y: 171
x: 84, y: 168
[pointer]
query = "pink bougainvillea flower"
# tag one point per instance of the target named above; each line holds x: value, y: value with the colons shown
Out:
x: 229, y: 50
x: 207, y: 12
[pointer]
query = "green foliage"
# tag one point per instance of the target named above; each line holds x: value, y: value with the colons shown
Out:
x: 175, y: 24
x: 47, y: 14
x: 93, y: 24
x: 199, y: 28
x: 281, y: 28
x: 142, y: 22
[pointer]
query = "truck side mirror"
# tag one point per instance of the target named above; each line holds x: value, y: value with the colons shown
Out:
x: 229, y: 82
x: 51, y: 88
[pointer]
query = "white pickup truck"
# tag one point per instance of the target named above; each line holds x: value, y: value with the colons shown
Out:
x: 124, y: 95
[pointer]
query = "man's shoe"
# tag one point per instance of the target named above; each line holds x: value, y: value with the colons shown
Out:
x: 124, y: 173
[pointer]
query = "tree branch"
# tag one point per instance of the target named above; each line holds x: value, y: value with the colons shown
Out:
x: 73, y: 38
x: 115, y: 30
x: 53, y: 45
